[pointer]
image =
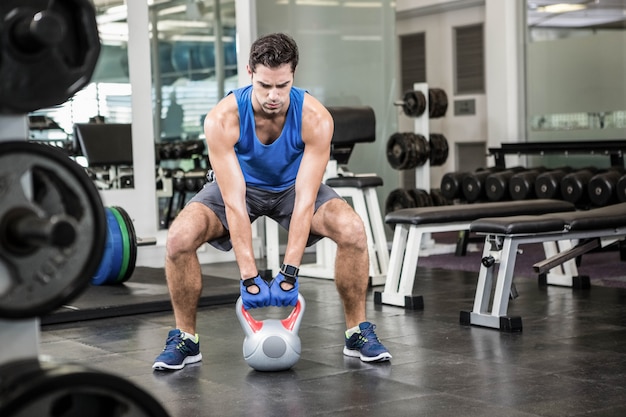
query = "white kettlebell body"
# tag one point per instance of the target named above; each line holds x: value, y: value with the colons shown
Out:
x: 271, y: 344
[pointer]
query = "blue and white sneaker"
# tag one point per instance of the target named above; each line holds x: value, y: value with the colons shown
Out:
x: 365, y: 345
x: 178, y: 352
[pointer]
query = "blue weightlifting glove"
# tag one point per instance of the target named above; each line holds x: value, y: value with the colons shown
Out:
x: 252, y: 298
x: 288, y: 277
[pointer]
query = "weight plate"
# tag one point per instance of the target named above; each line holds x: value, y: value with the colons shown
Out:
x: 132, y: 240
x: 414, y: 103
x: 621, y: 189
x: 118, y: 245
x: 29, y: 388
x: 111, y: 263
x: 399, y: 199
x: 125, y: 244
x: 43, y: 180
x: 103, y: 272
x: 52, y: 60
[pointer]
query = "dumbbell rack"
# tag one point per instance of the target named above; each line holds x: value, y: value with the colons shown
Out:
x: 19, y: 338
x: 422, y: 173
x: 614, y: 149
x: 422, y: 127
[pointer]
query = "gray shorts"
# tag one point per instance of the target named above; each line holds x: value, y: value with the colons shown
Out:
x: 277, y: 205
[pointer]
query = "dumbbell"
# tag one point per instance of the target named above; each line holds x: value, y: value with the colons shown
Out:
x: 452, y: 184
x: 474, y: 184
x: 522, y: 184
x: 497, y: 184
x: 574, y: 185
x: 602, y: 188
x: 621, y: 189
x: 548, y: 184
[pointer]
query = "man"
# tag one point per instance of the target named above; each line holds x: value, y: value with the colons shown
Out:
x: 269, y: 144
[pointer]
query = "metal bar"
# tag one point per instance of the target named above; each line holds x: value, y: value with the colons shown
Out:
x: 547, y: 264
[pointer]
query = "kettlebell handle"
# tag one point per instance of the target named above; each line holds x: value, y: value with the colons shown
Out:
x: 290, y: 323
x: 293, y: 319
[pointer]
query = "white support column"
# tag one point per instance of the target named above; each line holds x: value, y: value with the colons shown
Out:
x: 504, y: 66
x: 140, y: 202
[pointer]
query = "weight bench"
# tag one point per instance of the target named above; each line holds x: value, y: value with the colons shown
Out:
x: 591, y: 229
x: 411, y: 224
x: 352, y: 125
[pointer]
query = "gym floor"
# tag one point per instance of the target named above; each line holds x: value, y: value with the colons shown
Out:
x: 569, y: 360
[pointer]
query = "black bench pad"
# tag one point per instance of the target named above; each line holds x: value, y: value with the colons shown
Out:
x: 357, y: 181
x: 519, y: 224
x: 470, y: 212
x: 608, y: 217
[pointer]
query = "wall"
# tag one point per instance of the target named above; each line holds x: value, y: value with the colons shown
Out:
x: 499, y: 111
x: 346, y: 59
x: 438, y: 28
x: 578, y: 75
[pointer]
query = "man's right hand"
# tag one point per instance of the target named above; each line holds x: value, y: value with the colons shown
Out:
x: 255, y: 292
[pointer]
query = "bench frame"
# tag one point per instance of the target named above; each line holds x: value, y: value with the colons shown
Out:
x: 408, y: 240
x: 491, y: 311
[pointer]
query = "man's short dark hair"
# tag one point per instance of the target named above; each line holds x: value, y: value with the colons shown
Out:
x: 274, y: 50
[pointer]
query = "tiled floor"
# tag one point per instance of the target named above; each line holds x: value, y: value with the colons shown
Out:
x: 570, y: 359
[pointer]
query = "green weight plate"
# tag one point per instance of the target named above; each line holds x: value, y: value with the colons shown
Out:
x: 125, y: 243
x: 132, y: 239
x: 117, y: 254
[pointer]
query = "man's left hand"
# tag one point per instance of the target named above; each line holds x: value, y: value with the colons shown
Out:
x: 284, y: 288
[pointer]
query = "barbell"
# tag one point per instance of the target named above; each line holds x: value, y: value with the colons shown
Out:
x: 52, y: 229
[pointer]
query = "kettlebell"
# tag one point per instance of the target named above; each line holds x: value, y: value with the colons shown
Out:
x: 271, y: 344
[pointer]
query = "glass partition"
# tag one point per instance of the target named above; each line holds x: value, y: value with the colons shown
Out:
x: 193, y: 61
x: 576, y: 70
x: 347, y: 58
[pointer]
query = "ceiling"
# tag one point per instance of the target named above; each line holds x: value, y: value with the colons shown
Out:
x: 593, y: 14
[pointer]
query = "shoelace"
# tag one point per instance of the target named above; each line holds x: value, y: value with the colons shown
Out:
x: 368, y: 334
x: 176, y: 342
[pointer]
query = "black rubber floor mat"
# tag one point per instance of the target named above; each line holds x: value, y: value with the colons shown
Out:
x: 145, y: 292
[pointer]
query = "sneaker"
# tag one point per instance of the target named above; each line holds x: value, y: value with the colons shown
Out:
x: 177, y: 352
x: 365, y: 345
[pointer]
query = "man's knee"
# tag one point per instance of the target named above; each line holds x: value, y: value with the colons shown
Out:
x: 351, y: 231
x: 190, y: 230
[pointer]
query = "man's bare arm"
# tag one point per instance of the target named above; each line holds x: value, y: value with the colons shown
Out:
x: 317, y: 132
x: 221, y: 128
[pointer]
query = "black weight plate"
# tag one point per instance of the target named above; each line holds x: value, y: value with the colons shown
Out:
x: 451, y: 184
x: 34, y: 74
x: 44, y: 180
x: 420, y: 150
x: 621, y: 189
x: 51, y: 389
x: 437, y: 103
x: 414, y: 103
x: 399, y: 151
x: 399, y: 199
x: 132, y: 236
x: 438, y: 149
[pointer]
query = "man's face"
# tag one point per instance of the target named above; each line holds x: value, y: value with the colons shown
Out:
x: 271, y: 87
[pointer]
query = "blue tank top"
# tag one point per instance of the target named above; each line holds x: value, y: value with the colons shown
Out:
x: 274, y: 166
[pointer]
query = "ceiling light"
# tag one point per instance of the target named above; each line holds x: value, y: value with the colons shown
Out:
x: 561, y: 8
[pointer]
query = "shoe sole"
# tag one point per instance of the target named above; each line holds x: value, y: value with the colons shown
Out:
x: 162, y: 366
x: 385, y: 356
